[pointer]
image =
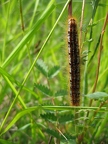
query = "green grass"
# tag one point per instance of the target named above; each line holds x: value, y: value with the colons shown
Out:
x: 34, y: 101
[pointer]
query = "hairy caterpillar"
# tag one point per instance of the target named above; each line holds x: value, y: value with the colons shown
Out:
x: 74, y: 62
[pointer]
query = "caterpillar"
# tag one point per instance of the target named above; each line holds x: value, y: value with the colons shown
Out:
x: 74, y: 61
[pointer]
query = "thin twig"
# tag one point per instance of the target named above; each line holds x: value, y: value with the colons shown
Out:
x: 70, y: 9
x: 61, y: 134
x: 81, y: 23
x: 50, y: 140
x: 21, y: 15
x: 97, y: 74
x: 99, y: 56
x: 100, y: 52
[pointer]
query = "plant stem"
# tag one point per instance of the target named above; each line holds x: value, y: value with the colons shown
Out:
x: 81, y: 23
x: 21, y: 15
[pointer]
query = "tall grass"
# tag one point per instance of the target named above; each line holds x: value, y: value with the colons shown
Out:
x: 34, y: 101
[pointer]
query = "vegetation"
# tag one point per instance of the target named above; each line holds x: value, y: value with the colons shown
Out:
x: 34, y: 103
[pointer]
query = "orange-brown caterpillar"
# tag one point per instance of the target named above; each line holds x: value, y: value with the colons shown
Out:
x: 74, y: 62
